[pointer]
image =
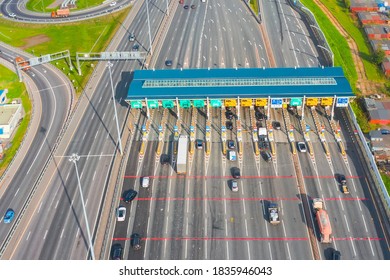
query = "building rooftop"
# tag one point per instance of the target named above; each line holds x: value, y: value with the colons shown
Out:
x: 384, y: 44
x: 363, y: 3
x: 377, y: 29
x: 6, y: 112
x: 242, y: 82
x: 372, y: 16
x: 377, y: 110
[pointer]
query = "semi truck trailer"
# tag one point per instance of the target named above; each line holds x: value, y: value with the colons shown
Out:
x: 60, y: 13
x: 182, y: 150
x: 323, y: 221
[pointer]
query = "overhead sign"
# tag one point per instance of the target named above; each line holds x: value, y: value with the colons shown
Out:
x: 296, y: 102
x: 342, y: 102
x: 198, y: 103
x: 276, y: 102
x: 185, y: 103
x: 168, y: 104
x: 246, y: 102
x: 230, y: 102
x: 153, y: 104
x: 312, y: 101
x: 136, y: 104
x: 326, y: 101
x: 261, y: 102
x: 216, y: 102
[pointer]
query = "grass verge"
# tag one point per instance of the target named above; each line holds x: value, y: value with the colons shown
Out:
x: 10, y: 81
x: 386, y: 181
x: 42, y: 5
x: 338, y: 44
x: 351, y: 25
x: 255, y: 6
x: 87, y: 36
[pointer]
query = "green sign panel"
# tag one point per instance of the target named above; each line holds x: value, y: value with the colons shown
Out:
x: 185, y: 103
x: 296, y: 102
x: 136, y: 104
x: 198, y: 103
x: 216, y: 102
x: 153, y: 104
x: 168, y: 104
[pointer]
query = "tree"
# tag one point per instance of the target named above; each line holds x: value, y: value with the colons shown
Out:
x: 378, y: 55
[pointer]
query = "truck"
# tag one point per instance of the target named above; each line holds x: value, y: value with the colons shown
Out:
x: 24, y: 64
x: 182, y: 151
x: 323, y: 221
x: 273, y: 214
x: 60, y: 13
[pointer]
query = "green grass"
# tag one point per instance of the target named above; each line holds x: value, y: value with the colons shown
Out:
x: 95, y: 34
x: 338, y: 9
x: 361, y: 117
x: 41, y: 5
x: 254, y: 5
x: 386, y: 181
x: 16, y: 89
x: 339, y: 46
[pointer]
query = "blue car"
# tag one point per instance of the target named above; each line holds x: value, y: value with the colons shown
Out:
x: 9, y: 216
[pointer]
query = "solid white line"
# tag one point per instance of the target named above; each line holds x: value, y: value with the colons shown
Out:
x: 288, y: 251
x: 168, y: 206
x: 77, y: 233
x: 227, y: 250
x: 284, y: 229
x: 55, y: 207
x: 44, y: 237
x: 224, y: 204
x: 372, y: 249
x: 62, y: 232
x: 341, y: 201
x: 243, y: 204
x: 185, y: 250
x: 40, y: 205
x: 96, y: 133
x: 93, y: 178
x: 364, y: 221
x: 246, y: 228
x: 166, y: 226
x: 67, y: 176
x: 345, y: 218
x: 84, y: 135
x: 81, y: 176
x: 226, y: 227
x: 270, y: 251
x: 188, y: 206
x: 28, y: 236
x: 249, y: 250
x: 165, y: 248
x: 17, y: 192
x: 104, y: 115
x: 353, y: 247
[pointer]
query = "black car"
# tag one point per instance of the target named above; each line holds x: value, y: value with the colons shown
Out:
x: 336, y: 255
x: 186, y: 7
x: 236, y: 173
x: 135, y: 241
x: 230, y: 144
x: 193, y: 6
x: 229, y: 115
x: 229, y: 125
x: 199, y: 144
x: 117, y: 251
x: 135, y: 47
x: 266, y: 156
x: 165, y: 159
x: 258, y: 115
x: 276, y: 125
x: 130, y: 195
x: 168, y: 62
x: 342, y: 179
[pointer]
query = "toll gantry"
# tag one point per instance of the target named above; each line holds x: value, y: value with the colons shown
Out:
x: 268, y: 88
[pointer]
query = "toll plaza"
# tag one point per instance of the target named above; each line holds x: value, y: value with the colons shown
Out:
x: 260, y: 89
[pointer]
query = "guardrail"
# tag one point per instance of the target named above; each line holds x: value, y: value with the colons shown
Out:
x: 384, y: 195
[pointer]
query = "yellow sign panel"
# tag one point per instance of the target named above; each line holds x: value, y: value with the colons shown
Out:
x: 312, y: 101
x: 326, y: 101
x: 230, y: 102
x: 246, y: 102
x: 284, y: 105
x: 261, y: 102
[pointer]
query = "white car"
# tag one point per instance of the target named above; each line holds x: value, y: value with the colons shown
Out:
x: 145, y: 182
x: 12, y: 15
x: 302, y: 147
x: 112, y: 4
x: 234, y: 186
x: 121, y: 213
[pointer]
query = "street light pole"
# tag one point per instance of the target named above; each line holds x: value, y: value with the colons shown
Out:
x: 74, y: 158
x: 109, y: 65
x: 150, y: 36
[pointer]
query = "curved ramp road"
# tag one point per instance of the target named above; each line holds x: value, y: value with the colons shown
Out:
x: 55, y: 96
x: 16, y: 10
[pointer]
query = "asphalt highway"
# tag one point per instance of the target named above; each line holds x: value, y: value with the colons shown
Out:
x: 55, y: 93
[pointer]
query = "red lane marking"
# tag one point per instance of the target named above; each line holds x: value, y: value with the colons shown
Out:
x: 218, y: 238
x: 244, y: 238
x: 238, y: 198
x: 358, y: 238
x: 209, y: 177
